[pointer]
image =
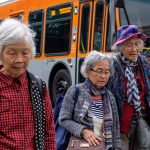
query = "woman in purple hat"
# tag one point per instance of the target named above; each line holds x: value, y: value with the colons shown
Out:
x: 130, y: 83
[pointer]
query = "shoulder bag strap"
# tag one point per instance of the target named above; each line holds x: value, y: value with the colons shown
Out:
x: 76, y: 94
x: 36, y: 92
x: 31, y: 78
x: 40, y: 86
x: 118, y: 62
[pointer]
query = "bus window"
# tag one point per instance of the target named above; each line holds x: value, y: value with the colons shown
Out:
x: 58, y: 27
x: 84, y: 28
x: 98, y: 26
x: 138, y: 16
x: 36, y: 23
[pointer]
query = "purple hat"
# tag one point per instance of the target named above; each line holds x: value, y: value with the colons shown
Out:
x: 128, y: 32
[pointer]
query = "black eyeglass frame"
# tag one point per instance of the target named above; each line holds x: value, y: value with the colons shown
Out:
x: 100, y: 72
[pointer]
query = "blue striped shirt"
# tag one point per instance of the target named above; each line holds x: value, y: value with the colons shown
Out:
x: 97, y: 108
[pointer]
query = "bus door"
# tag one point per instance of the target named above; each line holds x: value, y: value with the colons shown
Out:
x: 91, y: 30
x: 84, y: 34
x: 86, y: 12
x: 98, y: 26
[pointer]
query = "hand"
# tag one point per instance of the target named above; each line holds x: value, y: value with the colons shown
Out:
x: 91, y: 137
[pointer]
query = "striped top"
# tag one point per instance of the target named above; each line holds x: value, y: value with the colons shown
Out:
x: 97, y: 107
x: 98, y: 114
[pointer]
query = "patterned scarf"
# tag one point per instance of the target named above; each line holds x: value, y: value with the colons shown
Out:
x: 106, y: 109
x: 132, y: 89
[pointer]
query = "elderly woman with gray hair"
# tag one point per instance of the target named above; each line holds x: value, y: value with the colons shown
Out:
x: 130, y: 84
x: 26, y: 115
x: 95, y: 114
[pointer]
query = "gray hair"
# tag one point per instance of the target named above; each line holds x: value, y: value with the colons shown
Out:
x: 119, y: 48
x: 91, y: 59
x: 13, y: 31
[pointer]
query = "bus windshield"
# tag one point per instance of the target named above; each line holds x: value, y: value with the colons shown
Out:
x: 138, y: 13
x: 138, y: 16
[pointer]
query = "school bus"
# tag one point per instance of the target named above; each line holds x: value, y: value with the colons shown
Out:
x: 68, y: 29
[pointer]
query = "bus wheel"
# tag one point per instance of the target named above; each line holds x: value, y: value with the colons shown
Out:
x: 60, y: 84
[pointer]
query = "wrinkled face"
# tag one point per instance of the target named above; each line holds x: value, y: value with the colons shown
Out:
x: 99, y: 74
x: 131, y: 49
x: 15, y: 59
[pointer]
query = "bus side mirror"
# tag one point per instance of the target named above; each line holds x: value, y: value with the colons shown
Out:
x: 119, y: 3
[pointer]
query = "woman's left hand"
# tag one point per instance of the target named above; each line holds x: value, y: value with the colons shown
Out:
x: 91, y: 137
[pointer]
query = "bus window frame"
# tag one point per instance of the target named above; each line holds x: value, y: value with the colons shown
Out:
x: 90, y: 3
x: 41, y: 42
x: 111, y: 23
x: 56, y: 20
x: 93, y: 25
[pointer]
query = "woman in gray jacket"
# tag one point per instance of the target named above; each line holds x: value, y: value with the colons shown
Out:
x: 94, y: 116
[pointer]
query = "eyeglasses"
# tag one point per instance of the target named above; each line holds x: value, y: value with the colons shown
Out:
x: 137, y: 44
x: 101, y: 72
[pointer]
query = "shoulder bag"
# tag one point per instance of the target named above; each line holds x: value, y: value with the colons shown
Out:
x: 143, y: 134
x: 62, y: 135
x: 81, y: 144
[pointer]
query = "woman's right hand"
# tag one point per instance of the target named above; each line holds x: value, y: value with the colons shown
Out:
x: 91, y: 137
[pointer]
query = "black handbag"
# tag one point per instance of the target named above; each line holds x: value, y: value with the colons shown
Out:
x: 143, y: 134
